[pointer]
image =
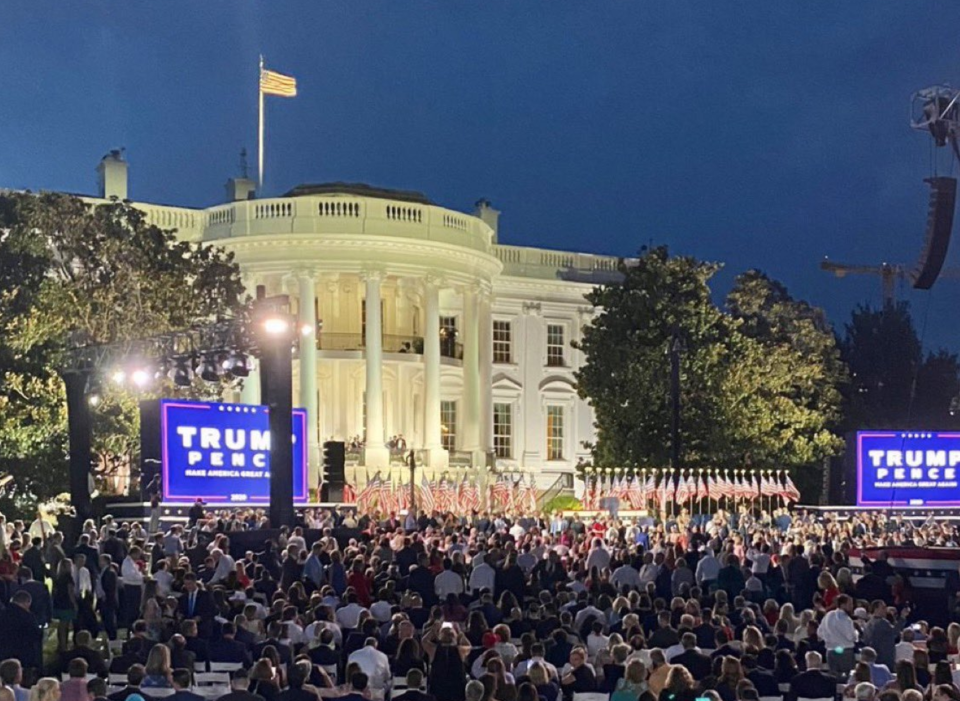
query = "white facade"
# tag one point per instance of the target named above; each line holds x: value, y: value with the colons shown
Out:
x: 387, y: 275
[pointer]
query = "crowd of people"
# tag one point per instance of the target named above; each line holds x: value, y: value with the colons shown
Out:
x: 480, y: 607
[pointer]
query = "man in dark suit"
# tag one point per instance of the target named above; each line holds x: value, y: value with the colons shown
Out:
x: 96, y: 664
x: 414, y: 688
x: 109, y: 603
x: 227, y: 648
x: 182, y: 679
x: 724, y: 648
x: 813, y: 684
x: 135, y: 676
x: 706, y: 633
x: 274, y: 632
x: 180, y: 656
x: 33, y: 558
x: 194, y: 643
x: 695, y: 661
x: 195, y: 513
x: 92, y: 554
x: 196, y: 604
x: 239, y: 685
x: 39, y: 595
x: 22, y: 637
x: 763, y: 680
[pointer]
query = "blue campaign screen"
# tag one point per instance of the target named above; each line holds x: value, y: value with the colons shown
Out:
x: 908, y: 468
x: 221, y: 452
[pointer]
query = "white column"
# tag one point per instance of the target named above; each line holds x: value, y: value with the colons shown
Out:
x: 250, y: 394
x: 375, y: 453
x: 471, y: 371
x: 486, y: 370
x: 308, y: 372
x: 437, y: 457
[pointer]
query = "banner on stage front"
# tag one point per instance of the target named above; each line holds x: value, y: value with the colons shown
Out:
x: 908, y: 469
x: 221, y: 452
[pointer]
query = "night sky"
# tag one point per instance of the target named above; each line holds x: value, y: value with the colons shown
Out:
x: 757, y: 134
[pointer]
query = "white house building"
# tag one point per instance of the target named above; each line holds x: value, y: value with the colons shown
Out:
x: 418, y: 323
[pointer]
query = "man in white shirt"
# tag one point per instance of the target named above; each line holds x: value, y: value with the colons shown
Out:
x: 599, y: 557
x: 626, y: 575
x: 839, y: 636
x: 483, y: 576
x: 132, y: 580
x: 537, y: 652
x: 905, y: 648
x: 447, y: 582
x: 708, y: 569
x: 224, y: 565
x: 349, y: 616
x: 374, y: 664
x: 650, y: 569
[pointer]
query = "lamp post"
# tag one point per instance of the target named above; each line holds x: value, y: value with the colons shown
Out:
x: 275, y: 331
x: 79, y: 423
x: 412, y: 464
x: 676, y: 348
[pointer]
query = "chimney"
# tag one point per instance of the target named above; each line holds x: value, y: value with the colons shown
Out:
x: 113, y: 175
x: 241, y: 189
x: 488, y: 215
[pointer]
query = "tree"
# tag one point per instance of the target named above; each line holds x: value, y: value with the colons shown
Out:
x: 796, y: 335
x: 752, y: 392
x: 73, y: 272
x: 892, y: 384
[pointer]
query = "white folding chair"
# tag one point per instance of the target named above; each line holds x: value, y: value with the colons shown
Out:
x: 398, y: 683
x: 199, y: 666
x: 784, y: 688
x: 158, y: 692
x: 771, y: 698
x: 225, y: 666
x: 331, y: 670
x: 211, y: 679
x: 120, y: 679
x: 591, y: 696
x: 822, y: 698
x: 65, y: 676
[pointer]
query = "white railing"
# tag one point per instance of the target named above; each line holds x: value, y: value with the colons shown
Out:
x: 522, y: 260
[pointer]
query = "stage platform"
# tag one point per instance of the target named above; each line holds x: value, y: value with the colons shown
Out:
x: 176, y: 512
x: 911, y: 513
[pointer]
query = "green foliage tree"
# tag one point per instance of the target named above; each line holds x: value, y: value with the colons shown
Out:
x: 73, y: 272
x: 753, y: 391
x: 892, y: 384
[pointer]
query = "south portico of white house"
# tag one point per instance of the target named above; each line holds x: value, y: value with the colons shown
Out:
x: 418, y: 323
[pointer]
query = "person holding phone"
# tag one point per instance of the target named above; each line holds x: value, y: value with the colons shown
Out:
x: 448, y: 648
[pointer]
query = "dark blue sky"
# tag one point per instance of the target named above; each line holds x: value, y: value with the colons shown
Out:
x: 759, y: 134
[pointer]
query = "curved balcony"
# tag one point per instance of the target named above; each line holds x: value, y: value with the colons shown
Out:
x: 392, y: 343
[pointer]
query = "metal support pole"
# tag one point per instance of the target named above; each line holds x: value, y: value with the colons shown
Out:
x: 79, y: 426
x: 675, y: 348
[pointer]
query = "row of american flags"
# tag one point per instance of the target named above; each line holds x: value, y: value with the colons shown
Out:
x: 667, y: 488
x: 443, y: 495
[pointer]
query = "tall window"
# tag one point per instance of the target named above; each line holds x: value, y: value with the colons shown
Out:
x: 555, y: 345
x: 448, y: 425
x: 416, y: 320
x: 501, y: 341
x: 554, y: 433
x: 503, y: 430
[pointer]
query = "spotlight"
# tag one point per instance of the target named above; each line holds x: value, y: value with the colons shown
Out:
x: 237, y: 364
x: 119, y: 376
x: 306, y: 330
x: 140, y: 377
x: 181, y: 374
x: 276, y: 326
x: 207, y: 369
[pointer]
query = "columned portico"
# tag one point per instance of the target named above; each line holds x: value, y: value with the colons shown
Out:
x: 375, y: 453
x: 308, y: 371
x: 436, y: 456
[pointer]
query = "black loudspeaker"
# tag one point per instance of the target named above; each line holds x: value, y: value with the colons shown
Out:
x: 943, y: 198
x: 334, y: 462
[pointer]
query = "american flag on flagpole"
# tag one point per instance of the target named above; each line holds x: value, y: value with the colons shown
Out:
x: 793, y: 494
x: 349, y: 494
x: 427, y: 501
x: 702, y: 491
x: 499, y: 493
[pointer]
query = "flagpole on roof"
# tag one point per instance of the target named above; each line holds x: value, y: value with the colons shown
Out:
x: 260, y: 133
